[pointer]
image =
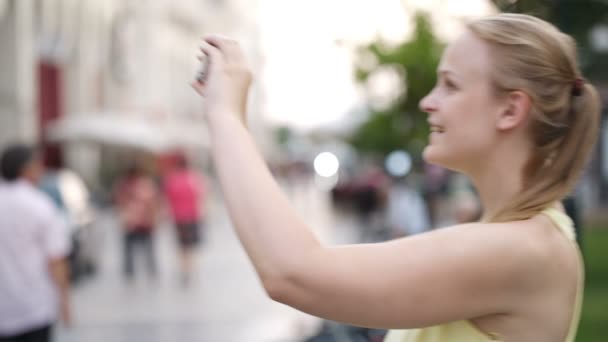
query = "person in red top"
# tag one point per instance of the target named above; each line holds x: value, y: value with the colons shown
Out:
x: 184, y: 191
x: 136, y: 197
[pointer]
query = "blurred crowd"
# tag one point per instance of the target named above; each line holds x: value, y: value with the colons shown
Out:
x: 48, y: 240
x: 58, y: 212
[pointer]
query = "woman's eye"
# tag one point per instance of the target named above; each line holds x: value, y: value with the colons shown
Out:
x: 450, y: 85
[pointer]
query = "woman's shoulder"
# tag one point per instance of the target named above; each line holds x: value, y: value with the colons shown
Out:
x: 536, y: 245
x: 545, y: 235
x: 526, y: 248
x: 539, y: 235
x: 545, y: 268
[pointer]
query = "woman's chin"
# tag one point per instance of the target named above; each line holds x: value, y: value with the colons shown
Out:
x: 430, y: 154
x: 433, y: 155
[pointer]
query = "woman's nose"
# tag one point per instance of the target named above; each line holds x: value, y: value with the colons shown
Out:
x: 428, y: 103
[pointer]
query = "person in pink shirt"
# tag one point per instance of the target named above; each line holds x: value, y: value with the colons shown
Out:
x: 184, y: 191
x: 136, y: 198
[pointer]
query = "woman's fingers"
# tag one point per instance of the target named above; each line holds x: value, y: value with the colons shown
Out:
x: 217, y: 41
x: 229, y: 48
x: 227, y: 78
x: 212, y: 52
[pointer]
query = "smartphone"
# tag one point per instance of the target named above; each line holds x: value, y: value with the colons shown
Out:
x: 203, y: 71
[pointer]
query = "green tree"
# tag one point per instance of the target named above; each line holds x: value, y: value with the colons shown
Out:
x: 401, y: 125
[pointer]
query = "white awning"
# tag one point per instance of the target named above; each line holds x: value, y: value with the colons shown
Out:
x: 124, y: 129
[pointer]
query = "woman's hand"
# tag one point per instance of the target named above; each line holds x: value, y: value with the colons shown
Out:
x: 226, y: 83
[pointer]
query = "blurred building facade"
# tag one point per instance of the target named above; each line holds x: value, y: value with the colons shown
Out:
x: 89, y: 65
x: 17, y: 119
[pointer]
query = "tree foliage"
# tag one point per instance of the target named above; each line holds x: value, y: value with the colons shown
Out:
x: 400, y: 125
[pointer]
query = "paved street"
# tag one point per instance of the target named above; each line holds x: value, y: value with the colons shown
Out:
x: 224, y: 303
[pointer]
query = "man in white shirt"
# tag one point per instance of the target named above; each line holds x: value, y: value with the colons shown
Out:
x: 34, y: 242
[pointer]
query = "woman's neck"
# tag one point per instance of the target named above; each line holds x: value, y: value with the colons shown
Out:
x: 498, y: 181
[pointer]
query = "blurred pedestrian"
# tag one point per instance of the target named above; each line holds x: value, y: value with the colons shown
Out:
x: 463, y: 200
x: 370, y: 196
x: 436, y: 179
x: 71, y: 196
x: 406, y: 210
x: 185, y: 193
x: 34, y: 243
x: 510, y: 110
x: 137, y: 201
x: 50, y: 179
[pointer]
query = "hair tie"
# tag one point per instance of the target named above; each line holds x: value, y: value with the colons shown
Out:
x: 577, y: 86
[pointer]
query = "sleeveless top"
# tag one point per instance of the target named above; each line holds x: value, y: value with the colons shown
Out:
x: 465, y: 330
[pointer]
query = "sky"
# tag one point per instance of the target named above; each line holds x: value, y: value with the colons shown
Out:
x: 307, y: 50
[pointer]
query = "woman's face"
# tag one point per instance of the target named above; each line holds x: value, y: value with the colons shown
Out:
x: 462, y: 107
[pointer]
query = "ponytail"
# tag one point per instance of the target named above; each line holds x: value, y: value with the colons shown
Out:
x: 562, y: 153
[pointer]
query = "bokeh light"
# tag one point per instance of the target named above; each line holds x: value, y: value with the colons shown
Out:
x: 326, y: 164
x: 398, y: 163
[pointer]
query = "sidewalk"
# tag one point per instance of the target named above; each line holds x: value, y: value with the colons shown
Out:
x: 224, y: 303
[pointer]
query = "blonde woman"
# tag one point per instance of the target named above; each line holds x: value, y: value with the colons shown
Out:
x: 511, y: 111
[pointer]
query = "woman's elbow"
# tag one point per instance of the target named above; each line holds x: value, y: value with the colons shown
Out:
x: 277, y: 288
x: 291, y: 282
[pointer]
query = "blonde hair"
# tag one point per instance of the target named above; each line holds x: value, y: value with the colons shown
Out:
x: 533, y: 56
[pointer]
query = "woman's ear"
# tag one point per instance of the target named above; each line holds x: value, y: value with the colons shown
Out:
x: 515, y: 111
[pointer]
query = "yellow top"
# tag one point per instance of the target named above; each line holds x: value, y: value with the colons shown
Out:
x: 461, y: 331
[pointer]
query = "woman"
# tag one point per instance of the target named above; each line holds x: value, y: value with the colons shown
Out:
x: 184, y: 192
x: 511, y: 111
x: 136, y: 198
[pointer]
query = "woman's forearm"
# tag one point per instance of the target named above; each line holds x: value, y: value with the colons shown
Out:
x: 272, y: 233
